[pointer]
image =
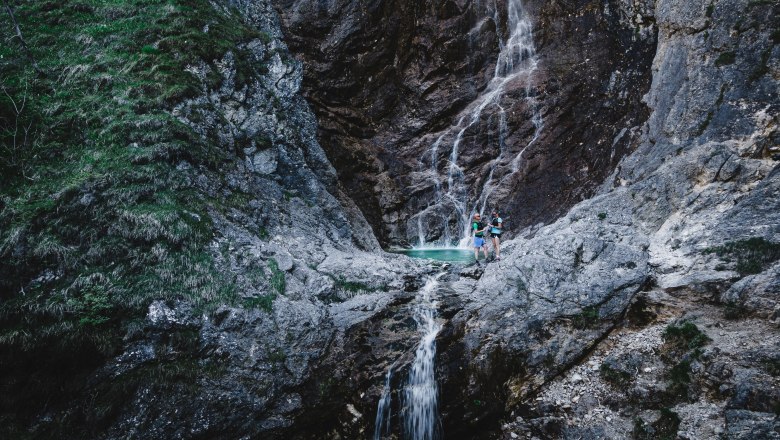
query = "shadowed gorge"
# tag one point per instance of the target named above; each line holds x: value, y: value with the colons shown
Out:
x: 197, y: 198
x: 390, y: 80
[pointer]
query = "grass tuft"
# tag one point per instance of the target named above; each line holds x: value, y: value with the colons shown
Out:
x: 96, y: 217
x: 752, y: 255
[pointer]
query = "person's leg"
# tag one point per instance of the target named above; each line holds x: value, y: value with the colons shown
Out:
x: 497, y: 241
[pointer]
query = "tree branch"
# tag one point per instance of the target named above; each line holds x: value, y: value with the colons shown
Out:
x: 20, y: 37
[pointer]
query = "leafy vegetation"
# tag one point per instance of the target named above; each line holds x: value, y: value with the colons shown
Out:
x: 734, y: 310
x: 93, y: 199
x: 685, y: 335
x: 96, y: 218
x: 683, y: 343
x: 752, y: 255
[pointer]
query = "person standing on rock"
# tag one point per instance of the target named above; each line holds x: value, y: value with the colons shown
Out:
x: 496, y: 227
x: 478, y: 231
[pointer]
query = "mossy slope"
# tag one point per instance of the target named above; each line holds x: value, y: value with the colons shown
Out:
x: 96, y: 217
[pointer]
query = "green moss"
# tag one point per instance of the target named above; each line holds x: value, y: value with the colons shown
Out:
x: 734, y: 310
x: 351, y: 286
x: 602, y: 215
x: 150, y: 50
x: 710, y: 9
x: 726, y: 58
x: 679, y: 374
x: 278, y: 283
x: 354, y: 287
x: 265, y: 302
x: 667, y: 425
x: 588, y: 318
x: 752, y: 255
x: 772, y: 366
x: 277, y: 356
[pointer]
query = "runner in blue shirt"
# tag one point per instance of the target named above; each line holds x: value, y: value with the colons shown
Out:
x: 496, y: 227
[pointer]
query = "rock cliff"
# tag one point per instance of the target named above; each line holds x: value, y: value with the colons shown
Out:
x: 179, y: 261
x: 674, y: 233
x: 191, y: 237
x: 406, y: 92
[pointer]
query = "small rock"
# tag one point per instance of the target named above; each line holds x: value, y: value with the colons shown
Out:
x: 647, y: 370
x: 513, y: 435
x: 576, y: 378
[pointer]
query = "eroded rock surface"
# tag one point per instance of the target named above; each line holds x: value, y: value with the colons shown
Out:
x: 395, y: 86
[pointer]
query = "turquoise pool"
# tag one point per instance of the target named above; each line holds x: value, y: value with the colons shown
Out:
x: 451, y: 255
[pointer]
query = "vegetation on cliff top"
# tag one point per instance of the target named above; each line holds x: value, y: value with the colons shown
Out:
x: 96, y: 219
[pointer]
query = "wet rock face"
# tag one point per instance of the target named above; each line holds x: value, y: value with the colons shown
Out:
x: 388, y: 80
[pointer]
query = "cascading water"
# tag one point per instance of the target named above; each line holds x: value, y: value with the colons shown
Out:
x: 382, y: 423
x: 420, y: 412
x: 516, y: 61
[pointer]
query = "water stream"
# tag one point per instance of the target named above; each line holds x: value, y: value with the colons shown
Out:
x: 420, y: 406
x: 516, y: 62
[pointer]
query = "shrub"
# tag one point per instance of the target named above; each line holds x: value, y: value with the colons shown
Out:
x: 685, y: 335
x: 752, y: 255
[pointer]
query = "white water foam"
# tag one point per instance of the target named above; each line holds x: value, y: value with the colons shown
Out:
x: 420, y: 413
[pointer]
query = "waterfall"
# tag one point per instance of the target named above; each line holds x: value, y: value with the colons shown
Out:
x: 382, y: 423
x: 420, y: 412
x: 516, y: 61
x: 421, y: 417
